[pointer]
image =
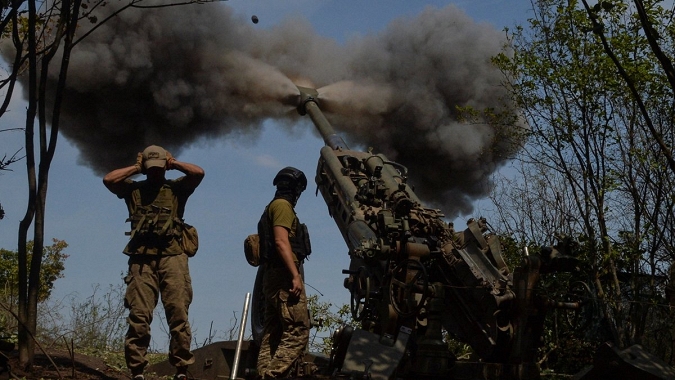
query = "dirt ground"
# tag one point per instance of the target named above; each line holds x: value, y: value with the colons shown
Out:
x: 60, y: 365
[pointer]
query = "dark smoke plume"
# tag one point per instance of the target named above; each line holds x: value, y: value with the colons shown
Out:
x: 178, y: 75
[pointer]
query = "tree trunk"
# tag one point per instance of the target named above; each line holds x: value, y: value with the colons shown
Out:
x: 25, y: 339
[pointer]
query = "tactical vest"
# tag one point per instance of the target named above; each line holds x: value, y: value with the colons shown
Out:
x: 157, y: 220
x: 300, y: 243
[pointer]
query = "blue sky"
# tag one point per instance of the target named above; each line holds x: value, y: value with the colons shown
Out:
x: 239, y: 171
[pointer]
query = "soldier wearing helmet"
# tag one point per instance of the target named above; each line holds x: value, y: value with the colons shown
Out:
x: 284, y: 245
x: 158, y: 265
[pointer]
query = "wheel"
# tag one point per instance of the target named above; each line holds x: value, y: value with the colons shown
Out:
x: 581, y: 318
x: 338, y: 351
x: 403, y: 289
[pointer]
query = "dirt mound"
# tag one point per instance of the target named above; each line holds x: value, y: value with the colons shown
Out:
x: 60, y: 365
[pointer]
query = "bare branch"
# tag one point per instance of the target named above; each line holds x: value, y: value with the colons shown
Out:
x: 5, y: 162
x: 134, y: 4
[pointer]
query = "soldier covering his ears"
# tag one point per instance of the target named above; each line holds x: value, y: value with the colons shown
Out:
x: 157, y: 263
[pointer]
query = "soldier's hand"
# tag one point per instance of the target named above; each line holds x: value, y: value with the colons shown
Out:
x: 139, y: 163
x: 296, y: 290
x: 169, y: 161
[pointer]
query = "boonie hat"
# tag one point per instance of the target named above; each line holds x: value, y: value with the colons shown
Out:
x: 154, y: 156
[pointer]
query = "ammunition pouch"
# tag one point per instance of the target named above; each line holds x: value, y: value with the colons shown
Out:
x: 252, y: 249
x: 189, y: 239
x: 300, y: 242
x: 153, y: 221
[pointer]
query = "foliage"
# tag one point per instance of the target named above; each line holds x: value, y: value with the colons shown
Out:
x: 461, y: 350
x: 52, y: 270
x: 570, y: 337
x: 95, y: 325
x: 326, y: 320
x: 590, y: 169
x: 99, y: 323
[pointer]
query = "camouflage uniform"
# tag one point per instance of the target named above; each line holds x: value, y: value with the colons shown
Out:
x: 286, y: 323
x: 156, y: 267
x: 148, y: 277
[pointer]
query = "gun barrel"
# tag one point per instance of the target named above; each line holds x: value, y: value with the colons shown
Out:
x: 309, y: 105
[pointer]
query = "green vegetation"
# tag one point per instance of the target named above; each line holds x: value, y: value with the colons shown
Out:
x: 53, y: 265
x: 595, y: 91
x: 326, y: 320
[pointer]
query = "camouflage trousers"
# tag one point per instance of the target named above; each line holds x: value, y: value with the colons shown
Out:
x: 149, y: 277
x: 286, y: 326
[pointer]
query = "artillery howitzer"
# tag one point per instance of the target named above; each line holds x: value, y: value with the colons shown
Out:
x: 412, y: 275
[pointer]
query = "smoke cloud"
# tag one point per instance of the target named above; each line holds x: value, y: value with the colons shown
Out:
x: 178, y: 75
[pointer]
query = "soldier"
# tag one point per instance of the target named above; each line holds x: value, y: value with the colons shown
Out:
x: 284, y: 244
x: 157, y: 263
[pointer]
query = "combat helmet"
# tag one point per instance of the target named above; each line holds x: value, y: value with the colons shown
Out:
x: 290, y: 178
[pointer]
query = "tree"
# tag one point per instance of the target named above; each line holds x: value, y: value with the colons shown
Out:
x: 649, y: 27
x: 52, y: 269
x: 53, y: 264
x: 590, y: 168
x: 42, y: 36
